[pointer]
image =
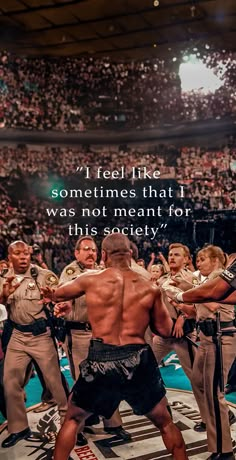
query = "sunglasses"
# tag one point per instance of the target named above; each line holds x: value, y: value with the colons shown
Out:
x: 89, y: 248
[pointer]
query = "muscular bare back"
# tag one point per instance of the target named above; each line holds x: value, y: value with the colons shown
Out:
x: 120, y: 305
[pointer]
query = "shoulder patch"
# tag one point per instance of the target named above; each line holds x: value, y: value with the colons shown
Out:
x: 4, y: 272
x: 51, y: 280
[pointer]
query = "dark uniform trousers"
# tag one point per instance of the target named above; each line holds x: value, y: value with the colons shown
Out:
x: 211, y: 401
x: 24, y: 346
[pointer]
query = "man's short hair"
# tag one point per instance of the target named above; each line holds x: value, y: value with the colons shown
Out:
x: 15, y: 243
x: 82, y: 238
x: 140, y: 260
x: 116, y: 243
x: 180, y: 245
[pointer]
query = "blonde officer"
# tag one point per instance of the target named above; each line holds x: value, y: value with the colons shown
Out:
x: 177, y: 258
x: 207, y: 372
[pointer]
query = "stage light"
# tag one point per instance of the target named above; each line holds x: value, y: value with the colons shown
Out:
x: 156, y: 3
x: 196, y: 76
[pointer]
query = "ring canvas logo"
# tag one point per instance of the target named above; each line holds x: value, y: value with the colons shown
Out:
x: 146, y: 443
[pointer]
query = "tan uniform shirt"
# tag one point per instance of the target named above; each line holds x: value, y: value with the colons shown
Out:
x: 140, y: 270
x: 226, y: 310
x: 183, y: 285
x: 79, y: 309
x: 23, y: 305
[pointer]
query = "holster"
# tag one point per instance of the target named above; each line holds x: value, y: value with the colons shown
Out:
x: 57, y: 325
x: 207, y: 327
x: 189, y: 326
x: 39, y: 327
x: 59, y: 329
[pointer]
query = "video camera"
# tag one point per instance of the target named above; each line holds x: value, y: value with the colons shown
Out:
x: 36, y: 249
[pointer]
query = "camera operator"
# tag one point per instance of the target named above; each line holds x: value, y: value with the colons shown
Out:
x: 37, y: 256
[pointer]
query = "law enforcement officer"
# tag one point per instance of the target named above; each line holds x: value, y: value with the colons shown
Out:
x: 30, y: 338
x: 222, y: 288
x: 177, y: 257
x: 213, y: 359
x: 78, y: 329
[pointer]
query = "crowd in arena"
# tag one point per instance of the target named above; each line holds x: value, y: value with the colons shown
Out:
x: 83, y: 93
x: 207, y: 174
x: 29, y: 173
x: 41, y: 226
x: 77, y: 94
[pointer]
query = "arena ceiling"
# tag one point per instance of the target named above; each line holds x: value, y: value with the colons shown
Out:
x: 118, y: 28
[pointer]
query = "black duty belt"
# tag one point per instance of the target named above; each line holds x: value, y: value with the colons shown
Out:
x: 78, y: 326
x: 36, y: 328
x: 209, y: 328
x: 189, y: 326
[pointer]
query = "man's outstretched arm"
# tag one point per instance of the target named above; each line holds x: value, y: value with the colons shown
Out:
x: 231, y: 299
x: 67, y: 291
x: 160, y: 320
x: 213, y: 290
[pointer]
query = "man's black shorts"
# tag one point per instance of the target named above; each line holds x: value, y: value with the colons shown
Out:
x: 113, y: 373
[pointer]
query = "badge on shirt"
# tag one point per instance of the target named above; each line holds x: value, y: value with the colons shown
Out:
x: 195, y: 281
x: 51, y: 280
x: 32, y: 285
x: 70, y: 271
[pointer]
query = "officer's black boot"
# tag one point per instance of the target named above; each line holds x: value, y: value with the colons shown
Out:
x: 81, y: 440
x: 119, y: 432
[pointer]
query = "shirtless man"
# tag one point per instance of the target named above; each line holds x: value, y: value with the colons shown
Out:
x: 120, y: 305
